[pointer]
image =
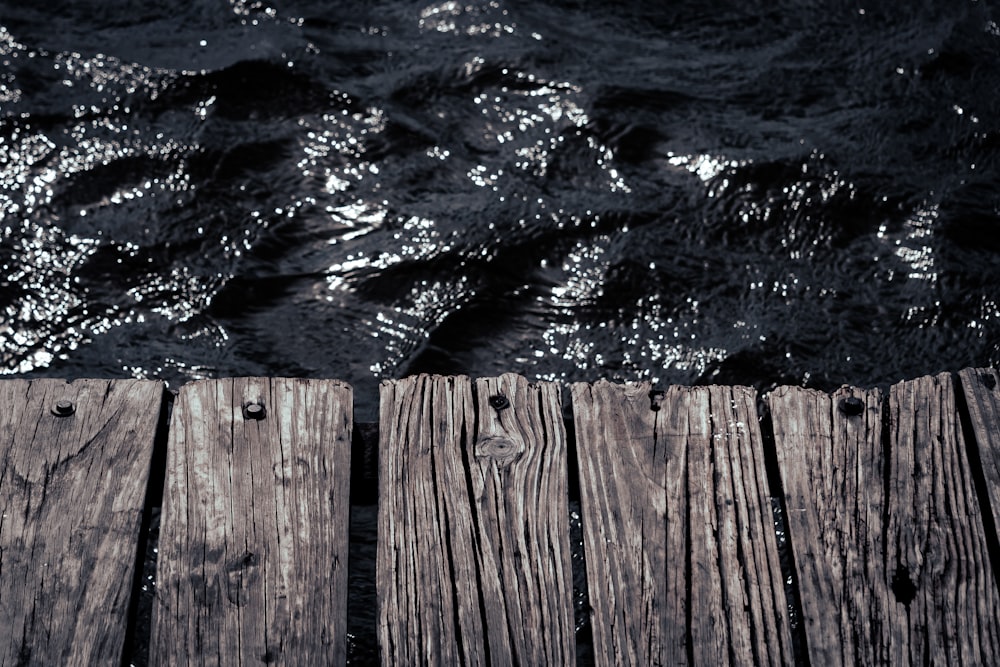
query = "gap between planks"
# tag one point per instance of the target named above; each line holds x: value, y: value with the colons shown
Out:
x: 889, y: 538
x: 978, y: 438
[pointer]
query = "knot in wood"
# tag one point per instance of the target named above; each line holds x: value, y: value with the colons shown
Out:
x: 500, y: 448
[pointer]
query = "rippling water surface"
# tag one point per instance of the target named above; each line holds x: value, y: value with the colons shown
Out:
x: 738, y: 192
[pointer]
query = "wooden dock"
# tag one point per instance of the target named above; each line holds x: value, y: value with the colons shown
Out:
x: 517, y: 523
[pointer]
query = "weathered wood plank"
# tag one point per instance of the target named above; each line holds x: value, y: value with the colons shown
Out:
x: 473, y: 562
x: 981, y: 387
x: 72, y: 490
x: 253, y: 538
x: 832, y: 472
x: 888, y: 539
x: 682, y: 558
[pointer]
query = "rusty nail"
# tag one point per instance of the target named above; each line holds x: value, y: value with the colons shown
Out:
x: 253, y: 411
x: 852, y: 406
x: 63, y: 408
x: 499, y: 402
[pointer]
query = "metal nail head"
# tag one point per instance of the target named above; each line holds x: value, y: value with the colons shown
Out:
x: 63, y: 408
x: 499, y: 402
x: 253, y: 411
x: 852, y: 406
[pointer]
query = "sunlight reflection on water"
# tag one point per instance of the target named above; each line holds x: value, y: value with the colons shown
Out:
x: 478, y: 187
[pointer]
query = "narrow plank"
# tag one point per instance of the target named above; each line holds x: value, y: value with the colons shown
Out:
x: 682, y: 558
x: 888, y: 539
x: 981, y: 388
x: 473, y: 562
x: 72, y: 489
x: 935, y: 532
x: 253, y: 549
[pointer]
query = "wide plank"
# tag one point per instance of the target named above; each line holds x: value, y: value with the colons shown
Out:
x: 253, y: 548
x: 681, y: 553
x: 889, y: 545
x: 473, y: 563
x: 74, y: 465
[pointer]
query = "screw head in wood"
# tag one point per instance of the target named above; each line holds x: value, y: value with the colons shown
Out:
x: 499, y: 402
x: 852, y: 406
x: 254, y: 411
x: 656, y: 397
x: 63, y: 408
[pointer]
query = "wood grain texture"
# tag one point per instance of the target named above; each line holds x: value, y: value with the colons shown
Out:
x: 72, y: 490
x: 682, y: 558
x: 832, y: 471
x: 981, y: 388
x: 252, y: 563
x: 889, y: 545
x: 473, y: 562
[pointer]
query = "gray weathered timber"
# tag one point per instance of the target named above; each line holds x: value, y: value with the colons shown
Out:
x: 473, y: 562
x: 72, y: 489
x: 253, y: 548
x: 889, y: 546
x: 682, y: 558
x: 832, y: 472
x: 981, y: 387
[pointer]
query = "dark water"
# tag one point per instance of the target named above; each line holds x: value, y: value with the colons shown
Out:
x: 699, y: 191
x: 737, y: 192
